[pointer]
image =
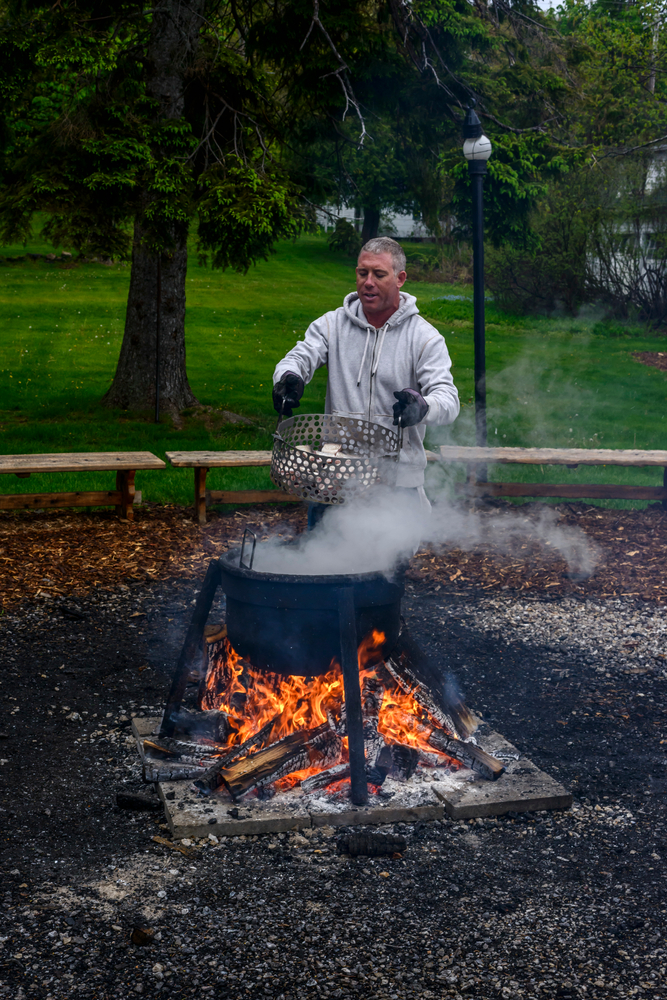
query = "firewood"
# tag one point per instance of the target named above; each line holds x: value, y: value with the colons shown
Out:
x: 397, y: 759
x: 414, y: 672
x: 375, y: 772
x: 467, y: 753
x: 213, y: 647
x: 305, y: 748
x: 171, y: 771
x: 324, y: 778
x: 378, y: 769
x: 212, y: 725
x: 372, y: 845
x: 372, y: 693
x: 472, y: 756
x: 167, y: 749
x: 212, y: 778
x: 334, y: 709
x: 404, y: 761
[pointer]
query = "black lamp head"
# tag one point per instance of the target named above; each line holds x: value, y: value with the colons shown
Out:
x: 472, y: 126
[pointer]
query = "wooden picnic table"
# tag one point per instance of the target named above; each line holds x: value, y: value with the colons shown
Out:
x: 124, y: 463
x: 475, y: 485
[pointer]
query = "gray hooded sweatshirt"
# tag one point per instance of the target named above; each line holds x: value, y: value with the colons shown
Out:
x: 367, y: 365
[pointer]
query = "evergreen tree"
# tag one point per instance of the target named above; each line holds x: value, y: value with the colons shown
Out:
x: 127, y: 124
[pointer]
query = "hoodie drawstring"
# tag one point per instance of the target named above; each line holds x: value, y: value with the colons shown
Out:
x: 382, y: 336
x: 374, y: 369
x: 363, y: 356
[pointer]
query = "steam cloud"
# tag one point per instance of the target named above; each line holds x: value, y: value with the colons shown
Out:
x: 382, y: 528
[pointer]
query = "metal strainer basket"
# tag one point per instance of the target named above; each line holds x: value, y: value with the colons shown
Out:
x: 326, y: 458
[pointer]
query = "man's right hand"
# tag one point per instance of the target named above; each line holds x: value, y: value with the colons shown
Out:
x: 287, y: 394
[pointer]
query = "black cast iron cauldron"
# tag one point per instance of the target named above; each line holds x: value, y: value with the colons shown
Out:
x: 289, y: 624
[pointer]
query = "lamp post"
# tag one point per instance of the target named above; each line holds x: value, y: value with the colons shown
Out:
x: 477, y: 150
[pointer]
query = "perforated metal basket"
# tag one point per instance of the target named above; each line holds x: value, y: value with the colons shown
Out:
x: 361, y: 453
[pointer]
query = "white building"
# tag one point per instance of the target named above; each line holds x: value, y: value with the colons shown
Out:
x: 400, y: 225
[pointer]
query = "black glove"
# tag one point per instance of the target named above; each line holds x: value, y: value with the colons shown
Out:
x: 411, y: 407
x: 287, y: 393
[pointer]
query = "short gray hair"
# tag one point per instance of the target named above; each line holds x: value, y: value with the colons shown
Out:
x: 384, y: 244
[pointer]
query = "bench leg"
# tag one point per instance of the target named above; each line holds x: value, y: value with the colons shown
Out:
x: 664, y: 483
x: 125, y: 483
x: 200, y: 494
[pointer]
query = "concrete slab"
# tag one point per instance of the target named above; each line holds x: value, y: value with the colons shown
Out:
x: 399, y: 802
x: 428, y: 795
x: 191, y: 816
x: 143, y: 728
x: 522, y: 788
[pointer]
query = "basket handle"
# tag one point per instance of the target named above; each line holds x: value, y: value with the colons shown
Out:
x: 400, y: 438
x: 248, y: 531
x: 280, y: 415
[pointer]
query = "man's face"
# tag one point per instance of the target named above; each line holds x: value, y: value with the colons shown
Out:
x: 377, y: 284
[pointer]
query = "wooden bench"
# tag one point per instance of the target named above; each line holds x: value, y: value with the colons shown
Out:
x: 123, y: 463
x: 475, y: 457
x: 202, y: 461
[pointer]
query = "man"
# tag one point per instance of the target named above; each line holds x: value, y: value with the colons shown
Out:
x: 385, y: 362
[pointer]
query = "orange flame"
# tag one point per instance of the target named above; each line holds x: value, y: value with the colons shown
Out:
x: 252, y: 698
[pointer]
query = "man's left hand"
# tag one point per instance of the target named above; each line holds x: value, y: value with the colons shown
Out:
x: 411, y: 408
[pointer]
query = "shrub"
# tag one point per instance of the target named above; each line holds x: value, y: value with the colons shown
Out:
x: 550, y: 270
x: 450, y: 264
x: 346, y: 238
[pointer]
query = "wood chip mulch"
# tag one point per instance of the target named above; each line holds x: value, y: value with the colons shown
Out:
x: 628, y: 548
x: 656, y: 359
x: 61, y: 553
x: 71, y: 552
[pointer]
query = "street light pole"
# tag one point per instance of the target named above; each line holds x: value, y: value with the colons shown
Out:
x: 477, y: 149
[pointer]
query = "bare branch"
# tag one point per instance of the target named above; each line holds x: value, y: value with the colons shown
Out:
x: 632, y: 149
x: 341, y: 72
x: 516, y: 131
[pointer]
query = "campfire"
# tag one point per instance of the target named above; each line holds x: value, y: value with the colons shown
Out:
x: 380, y: 708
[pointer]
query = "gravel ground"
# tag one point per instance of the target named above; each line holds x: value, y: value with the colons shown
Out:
x: 532, y: 905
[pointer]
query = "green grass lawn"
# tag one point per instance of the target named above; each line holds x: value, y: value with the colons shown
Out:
x: 552, y: 382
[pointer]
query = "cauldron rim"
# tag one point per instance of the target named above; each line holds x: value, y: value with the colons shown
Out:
x: 325, y: 579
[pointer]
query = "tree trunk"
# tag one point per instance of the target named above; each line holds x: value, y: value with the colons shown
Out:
x: 173, y: 45
x: 371, y: 224
x: 134, y: 385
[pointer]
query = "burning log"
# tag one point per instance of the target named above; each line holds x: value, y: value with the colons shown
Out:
x: 305, y: 748
x: 324, y: 778
x: 415, y: 673
x: 212, y: 778
x: 472, y: 756
x: 400, y: 761
x: 372, y: 693
x: 372, y: 845
x: 404, y: 761
x: 467, y: 753
x: 173, y: 760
